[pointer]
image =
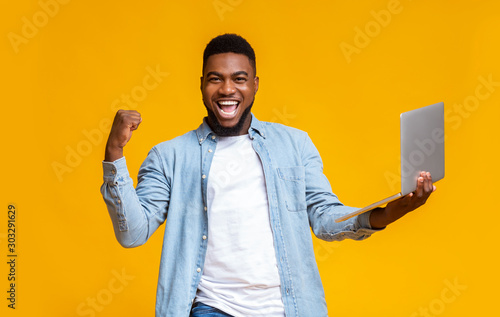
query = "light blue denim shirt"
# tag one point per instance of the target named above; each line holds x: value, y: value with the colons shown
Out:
x: 172, y: 189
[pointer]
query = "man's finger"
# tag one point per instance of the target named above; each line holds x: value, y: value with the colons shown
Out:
x: 132, y: 120
x: 134, y: 125
x: 428, y: 183
x: 420, y: 185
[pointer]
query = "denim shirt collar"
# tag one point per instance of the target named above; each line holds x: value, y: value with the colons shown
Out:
x: 204, y: 131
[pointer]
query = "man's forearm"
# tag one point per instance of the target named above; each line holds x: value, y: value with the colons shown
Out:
x: 379, y: 218
x: 112, y: 153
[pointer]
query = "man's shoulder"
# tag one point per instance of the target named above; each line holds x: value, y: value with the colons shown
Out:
x: 282, y: 132
x: 281, y: 129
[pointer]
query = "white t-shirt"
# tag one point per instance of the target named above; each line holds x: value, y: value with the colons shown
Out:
x: 240, y: 275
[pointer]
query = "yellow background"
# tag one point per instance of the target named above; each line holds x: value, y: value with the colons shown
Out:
x: 59, y: 86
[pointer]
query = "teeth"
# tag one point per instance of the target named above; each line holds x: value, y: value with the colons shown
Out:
x: 232, y: 112
x: 228, y: 102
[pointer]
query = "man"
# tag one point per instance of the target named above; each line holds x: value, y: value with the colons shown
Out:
x: 240, y: 196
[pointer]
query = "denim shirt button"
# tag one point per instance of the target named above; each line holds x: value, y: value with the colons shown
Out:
x: 204, y: 237
x: 198, y: 270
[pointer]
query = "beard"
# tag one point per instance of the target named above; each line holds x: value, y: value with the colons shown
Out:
x: 220, y: 130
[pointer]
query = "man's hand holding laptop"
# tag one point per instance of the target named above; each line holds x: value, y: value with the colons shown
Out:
x: 422, y: 153
x: 381, y: 217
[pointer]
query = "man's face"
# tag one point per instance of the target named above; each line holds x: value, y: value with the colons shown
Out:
x: 228, y: 87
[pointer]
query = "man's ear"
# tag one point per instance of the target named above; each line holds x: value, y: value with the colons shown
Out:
x: 256, y: 84
x: 201, y: 83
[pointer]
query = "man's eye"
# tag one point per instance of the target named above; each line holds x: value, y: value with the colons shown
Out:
x: 240, y: 79
x: 214, y: 79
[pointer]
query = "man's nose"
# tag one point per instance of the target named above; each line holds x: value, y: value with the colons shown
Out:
x: 227, y: 88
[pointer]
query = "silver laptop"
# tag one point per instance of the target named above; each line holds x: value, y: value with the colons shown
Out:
x: 422, y: 149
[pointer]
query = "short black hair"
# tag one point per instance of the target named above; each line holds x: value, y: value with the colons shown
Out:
x: 229, y: 43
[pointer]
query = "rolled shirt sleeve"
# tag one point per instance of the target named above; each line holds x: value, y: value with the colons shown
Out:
x: 135, y: 212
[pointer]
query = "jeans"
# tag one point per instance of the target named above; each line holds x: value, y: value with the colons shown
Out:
x: 201, y: 310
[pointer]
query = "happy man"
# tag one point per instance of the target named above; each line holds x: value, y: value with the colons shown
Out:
x: 240, y: 196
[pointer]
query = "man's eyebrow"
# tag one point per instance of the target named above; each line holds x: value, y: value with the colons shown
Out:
x: 214, y: 73
x: 241, y: 72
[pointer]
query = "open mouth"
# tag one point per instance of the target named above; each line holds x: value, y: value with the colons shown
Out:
x: 228, y: 107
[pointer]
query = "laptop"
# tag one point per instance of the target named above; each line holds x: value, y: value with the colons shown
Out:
x: 422, y: 149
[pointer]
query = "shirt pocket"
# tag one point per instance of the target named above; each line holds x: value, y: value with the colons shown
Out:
x: 294, y: 186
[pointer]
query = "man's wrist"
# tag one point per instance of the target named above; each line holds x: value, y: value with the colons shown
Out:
x: 379, y: 218
x: 113, y: 153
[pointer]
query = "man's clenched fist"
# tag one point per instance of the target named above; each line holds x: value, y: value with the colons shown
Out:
x: 124, y: 123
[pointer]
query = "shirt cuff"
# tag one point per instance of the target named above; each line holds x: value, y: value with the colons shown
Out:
x: 364, y: 221
x: 116, y: 171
